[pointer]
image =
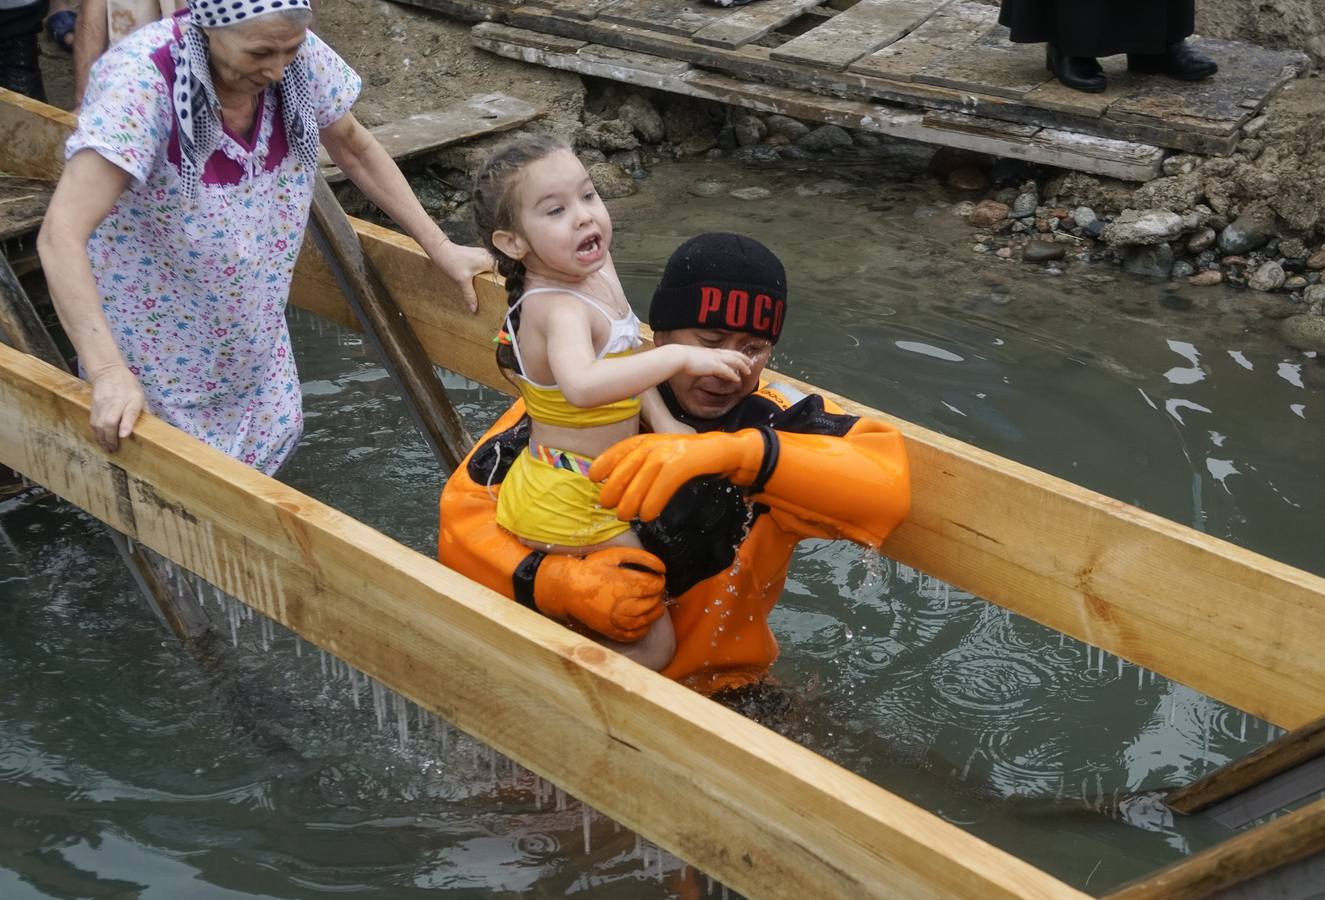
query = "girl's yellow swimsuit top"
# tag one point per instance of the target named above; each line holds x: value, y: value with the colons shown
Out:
x: 546, y: 403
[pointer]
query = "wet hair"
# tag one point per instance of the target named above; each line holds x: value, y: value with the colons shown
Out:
x: 495, y: 208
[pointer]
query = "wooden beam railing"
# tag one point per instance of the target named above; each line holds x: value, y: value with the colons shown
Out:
x: 761, y: 813
x: 1230, y: 623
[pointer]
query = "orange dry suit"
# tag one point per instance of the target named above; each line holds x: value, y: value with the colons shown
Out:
x: 825, y: 474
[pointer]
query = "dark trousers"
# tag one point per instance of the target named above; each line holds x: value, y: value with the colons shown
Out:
x: 20, y: 66
x: 1100, y: 27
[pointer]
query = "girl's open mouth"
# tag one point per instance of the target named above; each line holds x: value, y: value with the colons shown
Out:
x: 590, y: 249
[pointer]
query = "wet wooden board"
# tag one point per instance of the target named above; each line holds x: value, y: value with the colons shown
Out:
x: 859, y: 30
x: 1219, y: 105
x: 1116, y: 159
x: 992, y: 65
x: 683, y: 17
x: 749, y: 23
x: 477, y: 116
x: 32, y: 135
x: 957, y: 24
x: 467, y: 10
x: 1053, y: 96
x: 754, y: 62
x: 577, y: 9
x: 23, y: 204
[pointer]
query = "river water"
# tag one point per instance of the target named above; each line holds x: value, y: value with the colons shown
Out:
x: 129, y: 770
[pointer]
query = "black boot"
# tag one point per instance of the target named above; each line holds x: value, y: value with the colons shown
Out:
x: 1081, y: 73
x: 1180, y: 60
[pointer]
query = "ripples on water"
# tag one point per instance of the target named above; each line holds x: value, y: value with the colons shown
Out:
x: 124, y: 767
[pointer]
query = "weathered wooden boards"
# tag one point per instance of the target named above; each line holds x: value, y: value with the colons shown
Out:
x: 935, y: 54
x: 761, y: 813
x: 477, y: 116
x: 1101, y: 156
x: 23, y: 203
x: 32, y: 136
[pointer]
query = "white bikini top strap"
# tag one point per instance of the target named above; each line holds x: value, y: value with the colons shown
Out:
x: 612, y: 322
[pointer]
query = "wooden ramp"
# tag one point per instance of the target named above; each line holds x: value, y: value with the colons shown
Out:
x: 893, y: 59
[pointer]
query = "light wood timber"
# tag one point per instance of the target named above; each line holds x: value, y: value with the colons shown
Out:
x: 396, y: 345
x: 761, y: 813
x: 32, y: 136
x: 679, y: 17
x: 1232, y: 624
x: 1100, y: 156
x: 1289, y: 839
x: 959, y: 23
x: 465, y: 10
x: 860, y: 30
x: 1280, y: 755
x: 749, y: 23
x: 475, y: 117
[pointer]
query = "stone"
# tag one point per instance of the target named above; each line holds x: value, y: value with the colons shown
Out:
x: 1020, y: 226
x: 1295, y: 283
x: 825, y: 139
x: 786, y: 127
x: 1202, y: 240
x: 1181, y: 164
x: 967, y: 178
x: 1003, y: 253
x: 1080, y: 189
x: 749, y: 130
x: 792, y: 151
x: 1269, y: 277
x: 590, y: 156
x: 1148, y: 260
x: 1293, y: 248
x: 831, y: 187
x: 643, y: 118
x: 1024, y: 206
x: 963, y: 209
x: 988, y: 212
x: 1094, y: 229
x: 751, y: 193
x: 631, y: 161
x: 1043, y: 251
x: 1245, y: 234
x: 707, y: 188
x: 696, y: 145
x: 868, y: 140
x: 1208, y: 278
x: 608, y: 136
x: 1316, y: 261
x: 1304, y: 332
x: 727, y: 138
x: 1177, y: 193
x: 756, y: 154
x: 612, y: 181
x: 1083, y: 216
x: 1207, y: 259
x: 1153, y: 226
x: 1314, y: 294
x: 980, y: 248
x: 1255, y: 126
x: 1182, y: 269
x: 686, y: 118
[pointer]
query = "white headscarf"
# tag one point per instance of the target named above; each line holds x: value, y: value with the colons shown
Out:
x: 194, y: 97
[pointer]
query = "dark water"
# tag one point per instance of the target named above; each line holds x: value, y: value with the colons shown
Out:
x: 128, y: 770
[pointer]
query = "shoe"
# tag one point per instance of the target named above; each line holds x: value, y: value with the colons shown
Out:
x: 1180, y: 61
x: 1081, y: 73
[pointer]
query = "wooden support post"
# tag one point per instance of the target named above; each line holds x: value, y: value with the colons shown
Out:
x: 1282, y: 772
x: 1293, y: 837
x: 387, y: 328
x: 761, y: 813
x: 19, y: 321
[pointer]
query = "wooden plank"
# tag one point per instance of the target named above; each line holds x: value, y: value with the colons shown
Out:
x: 763, y: 814
x: 1219, y: 105
x: 1270, y: 796
x: 32, y: 136
x: 858, y: 31
x: 955, y: 25
x: 577, y: 9
x: 749, y: 23
x: 679, y: 17
x: 1115, y: 159
x: 397, y: 347
x: 1296, y: 836
x: 420, y: 133
x: 1296, y: 881
x: 991, y: 65
x: 23, y: 204
x: 753, y: 62
x: 1230, y: 623
x: 465, y: 10
x: 1280, y: 755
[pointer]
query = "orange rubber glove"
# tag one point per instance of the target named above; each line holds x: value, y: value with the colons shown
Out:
x: 618, y: 592
x: 641, y: 474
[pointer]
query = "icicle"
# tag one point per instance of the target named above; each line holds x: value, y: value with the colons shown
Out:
x: 561, y: 799
x: 298, y: 647
x: 234, y: 621
x: 322, y: 661
x: 402, y: 720
x: 660, y: 865
x: 639, y: 846
x: 1242, y: 735
x: 202, y: 601
x: 584, y: 822
x: 724, y: 892
x: 1120, y: 667
x: 354, y: 686
x: 1140, y: 676
x: 379, y: 703
x: 709, y: 880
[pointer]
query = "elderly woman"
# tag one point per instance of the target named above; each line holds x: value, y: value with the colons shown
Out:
x: 171, y: 238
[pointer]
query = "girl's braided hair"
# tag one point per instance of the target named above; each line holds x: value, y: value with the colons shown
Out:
x: 494, y: 210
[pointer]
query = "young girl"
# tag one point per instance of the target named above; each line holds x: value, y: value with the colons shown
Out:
x: 568, y: 339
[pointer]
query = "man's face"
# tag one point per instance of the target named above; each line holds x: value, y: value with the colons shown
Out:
x: 707, y: 396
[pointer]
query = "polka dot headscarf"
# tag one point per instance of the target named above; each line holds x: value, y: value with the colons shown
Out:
x: 196, y: 106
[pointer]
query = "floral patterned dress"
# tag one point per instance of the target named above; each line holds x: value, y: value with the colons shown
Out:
x: 195, y: 292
